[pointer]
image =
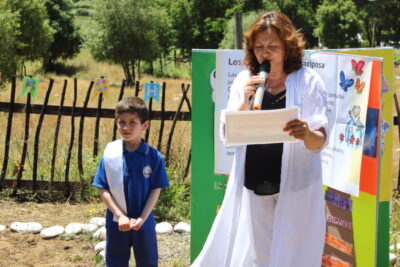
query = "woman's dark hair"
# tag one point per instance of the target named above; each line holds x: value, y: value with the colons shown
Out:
x: 133, y: 105
x: 292, y: 39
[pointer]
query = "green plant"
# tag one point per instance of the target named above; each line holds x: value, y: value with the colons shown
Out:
x: 174, y: 201
x: 395, y: 222
x: 397, y: 56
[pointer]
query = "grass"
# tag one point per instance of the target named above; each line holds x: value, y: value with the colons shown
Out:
x: 87, y: 69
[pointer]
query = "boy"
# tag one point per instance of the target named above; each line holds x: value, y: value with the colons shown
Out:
x: 130, y: 176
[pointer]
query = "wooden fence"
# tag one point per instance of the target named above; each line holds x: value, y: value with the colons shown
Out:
x: 16, y: 183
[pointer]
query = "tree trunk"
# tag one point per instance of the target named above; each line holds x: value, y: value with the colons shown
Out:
x: 128, y: 77
x: 138, y: 71
x: 133, y: 70
x: 161, y: 66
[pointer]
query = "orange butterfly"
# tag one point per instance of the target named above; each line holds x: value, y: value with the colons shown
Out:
x: 359, y: 86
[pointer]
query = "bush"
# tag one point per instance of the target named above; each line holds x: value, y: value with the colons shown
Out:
x: 174, y: 201
x: 397, y: 57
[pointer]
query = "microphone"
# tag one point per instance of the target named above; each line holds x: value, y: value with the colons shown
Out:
x: 265, y: 67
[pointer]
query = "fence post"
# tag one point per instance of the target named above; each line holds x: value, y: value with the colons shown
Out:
x: 396, y: 102
x: 160, y: 134
x: 171, y: 133
x: 8, y: 132
x: 20, y: 167
x: 71, y: 143
x: 81, y: 127
x: 97, y: 127
x: 37, y: 136
x: 53, y: 159
x: 121, y: 94
x: 238, y: 30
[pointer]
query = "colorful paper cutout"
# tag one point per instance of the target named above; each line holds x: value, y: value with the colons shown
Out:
x: 338, y: 200
x: 101, y: 87
x: 384, y: 85
x: 329, y: 261
x: 357, y: 66
x: 30, y: 85
x: 152, y: 90
x: 339, y: 244
x: 345, y: 83
x: 339, y: 221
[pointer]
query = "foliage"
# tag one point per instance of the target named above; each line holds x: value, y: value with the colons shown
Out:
x: 9, y: 31
x: 302, y: 14
x: 338, y: 24
x: 125, y: 35
x: 67, y: 40
x: 395, y: 223
x: 397, y: 56
x: 228, y: 42
x: 380, y: 21
x: 174, y: 201
x: 34, y: 32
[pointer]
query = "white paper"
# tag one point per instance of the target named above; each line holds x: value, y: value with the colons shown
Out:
x: 258, y: 126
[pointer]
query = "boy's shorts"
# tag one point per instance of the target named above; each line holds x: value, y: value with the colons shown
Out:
x: 118, y: 247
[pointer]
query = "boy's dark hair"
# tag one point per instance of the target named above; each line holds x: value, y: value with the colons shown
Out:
x: 134, y: 105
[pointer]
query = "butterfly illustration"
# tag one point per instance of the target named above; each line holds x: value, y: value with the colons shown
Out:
x: 357, y: 66
x: 359, y: 86
x: 345, y: 83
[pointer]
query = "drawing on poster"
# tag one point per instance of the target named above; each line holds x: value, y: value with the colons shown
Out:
x: 357, y: 66
x: 354, y: 129
x: 385, y: 126
x: 359, y: 86
x: 384, y: 85
x: 371, y: 127
x: 345, y: 83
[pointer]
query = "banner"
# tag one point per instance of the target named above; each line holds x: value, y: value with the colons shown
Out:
x: 228, y: 65
x: 347, y: 80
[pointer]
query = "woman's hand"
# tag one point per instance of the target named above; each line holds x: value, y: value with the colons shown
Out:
x: 299, y: 129
x: 249, y: 91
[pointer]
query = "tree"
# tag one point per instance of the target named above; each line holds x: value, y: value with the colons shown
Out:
x: 126, y: 33
x: 338, y: 24
x: 380, y: 22
x: 9, y: 31
x: 67, y: 40
x: 302, y: 14
x: 228, y: 42
x: 34, y: 34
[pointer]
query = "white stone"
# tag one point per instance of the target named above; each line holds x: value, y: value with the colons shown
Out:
x: 392, y: 259
x: 103, y: 254
x: 98, y: 221
x: 164, y: 228
x: 73, y: 228
x: 26, y: 227
x: 89, y: 228
x: 182, y: 227
x: 100, y: 233
x: 2, y: 227
x: 100, y: 246
x: 52, y: 232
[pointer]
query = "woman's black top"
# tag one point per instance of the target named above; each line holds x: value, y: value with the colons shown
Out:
x: 263, y: 162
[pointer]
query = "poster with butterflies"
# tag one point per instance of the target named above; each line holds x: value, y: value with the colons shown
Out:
x: 347, y: 80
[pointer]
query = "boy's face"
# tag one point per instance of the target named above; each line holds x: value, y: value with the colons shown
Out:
x: 130, y: 128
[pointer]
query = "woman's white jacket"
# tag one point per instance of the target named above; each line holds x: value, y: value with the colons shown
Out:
x: 299, y: 226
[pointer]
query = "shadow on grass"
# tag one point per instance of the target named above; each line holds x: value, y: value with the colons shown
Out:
x: 60, y: 68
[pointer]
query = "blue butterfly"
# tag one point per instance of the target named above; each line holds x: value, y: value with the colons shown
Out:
x: 345, y: 84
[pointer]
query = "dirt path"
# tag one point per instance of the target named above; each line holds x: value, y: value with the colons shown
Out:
x: 31, y: 250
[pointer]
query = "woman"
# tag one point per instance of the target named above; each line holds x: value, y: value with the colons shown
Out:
x: 273, y: 212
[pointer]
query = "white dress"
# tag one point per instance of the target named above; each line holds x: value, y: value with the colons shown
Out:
x: 299, y: 226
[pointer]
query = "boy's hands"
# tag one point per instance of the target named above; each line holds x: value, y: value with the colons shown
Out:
x: 124, y: 223
x: 136, y: 223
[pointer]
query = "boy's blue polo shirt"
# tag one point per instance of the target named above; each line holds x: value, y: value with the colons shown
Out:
x: 144, y: 169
